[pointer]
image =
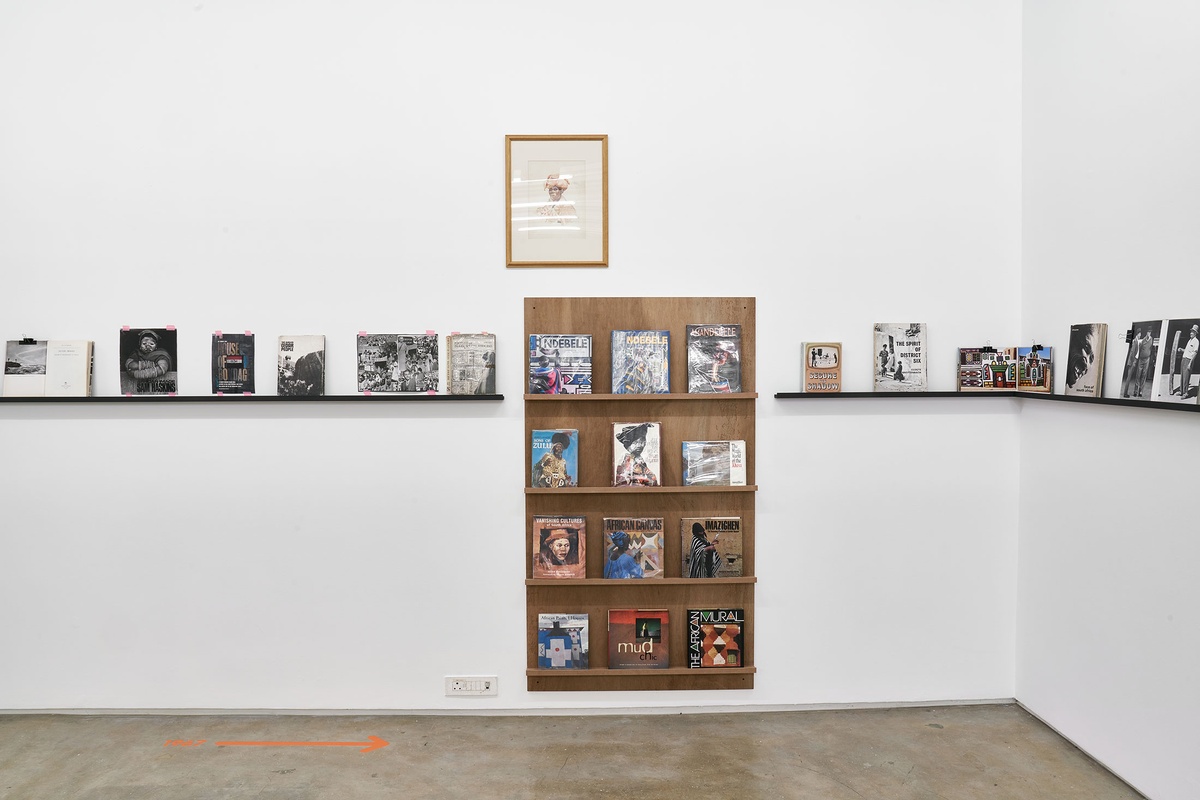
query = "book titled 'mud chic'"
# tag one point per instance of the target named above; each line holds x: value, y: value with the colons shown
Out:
x: 637, y: 638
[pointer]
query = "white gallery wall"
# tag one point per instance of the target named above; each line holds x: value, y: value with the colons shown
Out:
x: 1108, y: 600
x: 322, y: 167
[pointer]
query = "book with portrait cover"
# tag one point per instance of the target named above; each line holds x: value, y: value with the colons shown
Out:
x: 638, y: 638
x: 1034, y: 368
x: 1177, y: 373
x: 1142, y: 360
x: 559, y: 547
x: 301, y: 366
x: 396, y: 363
x: 555, y: 458
x: 560, y: 363
x: 821, y: 367
x: 149, y: 361
x: 711, y: 547
x: 641, y: 362
x: 714, y: 637
x: 233, y: 363
x: 562, y: 641
x: 471, y: 363
x: 900, y: 357
x: 633, y: 547
x: 54, y: 368
x: 986, y: 369
x: 1085, y: 359
x: 637, y: 460
x: 721, y: 463
x: 714, y: 358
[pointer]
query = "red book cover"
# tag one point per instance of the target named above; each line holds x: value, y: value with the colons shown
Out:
x: 637, y: 638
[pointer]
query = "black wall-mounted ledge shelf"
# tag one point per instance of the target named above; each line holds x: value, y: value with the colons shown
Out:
x: 258, y: 398
x: 1095, y: 401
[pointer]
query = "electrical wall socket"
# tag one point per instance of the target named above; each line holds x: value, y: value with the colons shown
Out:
x: 473, y: 685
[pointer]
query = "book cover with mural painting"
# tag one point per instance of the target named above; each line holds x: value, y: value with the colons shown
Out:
x: 633, y: 547
x: 715, y: 638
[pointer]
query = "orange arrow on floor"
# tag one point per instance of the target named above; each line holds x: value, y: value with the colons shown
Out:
x: 372, y: 743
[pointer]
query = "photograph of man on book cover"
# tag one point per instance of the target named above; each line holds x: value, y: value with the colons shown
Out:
x: 1137, y: 378
x: 1177, y: 379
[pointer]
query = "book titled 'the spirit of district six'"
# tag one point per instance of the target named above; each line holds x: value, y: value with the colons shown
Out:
x: 641, y: 362
x: 560, y: 363
x: 900, y: 357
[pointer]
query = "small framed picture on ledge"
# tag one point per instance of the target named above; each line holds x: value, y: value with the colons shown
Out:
x: 556, y: 188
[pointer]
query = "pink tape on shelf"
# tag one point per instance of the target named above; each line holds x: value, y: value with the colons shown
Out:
x: 429, y: 332
x: 170, y: 327
x: 430, y: 391
x: 170, y: 394
x: 246, y: 394
x: 128, y: 394
x: 124, y: 327
x: 220, y: 394
x: 367, y: 392
x: 217, y: 334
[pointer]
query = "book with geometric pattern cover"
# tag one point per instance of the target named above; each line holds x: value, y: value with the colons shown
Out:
x: 714, y: 637
x: 562, y: 641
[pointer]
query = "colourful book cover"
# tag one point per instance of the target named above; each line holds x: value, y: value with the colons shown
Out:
x: 711, y: 547
x: 562, y: 641
x: 560, y: 363
x: 714, y: 358
x: 1034, y: 373
x: 559, y: 547
x: 555, y: 459
x: 633, y: 547
x: 232, y: 363
x: 714, y: 637
x: 637, y: 638
x: 641, y: 362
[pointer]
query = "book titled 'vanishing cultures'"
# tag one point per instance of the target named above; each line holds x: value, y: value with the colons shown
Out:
x: 559, y: 547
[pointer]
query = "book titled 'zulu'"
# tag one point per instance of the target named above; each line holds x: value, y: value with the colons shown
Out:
x: 233, y: 363
x: 555, y: 459
x: 560, y: 363
x: 641, y: 362
x: 714, y: 463
x: 637, y: 638
x: 562, y: 641
x: 714, y: 358
x: 821, y: 367
x: 715, y: 637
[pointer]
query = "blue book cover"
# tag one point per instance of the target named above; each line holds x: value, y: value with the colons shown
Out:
x: 641, y: 362
x: 555, y: 459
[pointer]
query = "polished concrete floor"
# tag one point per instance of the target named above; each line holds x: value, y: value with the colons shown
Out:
x: 996, y: 751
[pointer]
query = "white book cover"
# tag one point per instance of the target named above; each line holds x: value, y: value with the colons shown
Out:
x: 900, y: 357
x: 1142, y: 358
x: 1085, y: 359
x: 25, y: 368
x: 1177, y: 374
x: 69, y: 368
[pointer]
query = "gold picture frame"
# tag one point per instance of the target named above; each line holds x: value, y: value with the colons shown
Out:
x: 556, y: 200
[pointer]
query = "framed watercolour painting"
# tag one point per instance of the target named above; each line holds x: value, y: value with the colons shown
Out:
x: 556, y: 188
